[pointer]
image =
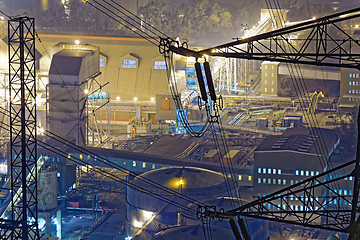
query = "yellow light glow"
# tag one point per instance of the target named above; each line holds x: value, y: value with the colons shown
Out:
x: 77, y: 42
x: 137, y: 224
x: 146, y: 214
x: 135, y: 99
x: 152, y: 99
x: 117, y: 98
x: 357, y: 26
x: 176, y: 183
x: 86, y: 91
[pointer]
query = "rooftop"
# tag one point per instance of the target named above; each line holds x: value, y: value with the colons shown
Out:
x: 302, y: 140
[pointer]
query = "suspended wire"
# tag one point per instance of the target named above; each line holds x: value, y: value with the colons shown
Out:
x: 176, y: 97
x: 320, y: 146
x: 76, y: 160
x: 58, y: 72
x: 147, y: 26
x: 111, y: 164
x: 148, y: 38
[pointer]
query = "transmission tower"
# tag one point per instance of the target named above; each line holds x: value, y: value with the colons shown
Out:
x: 22, y: 223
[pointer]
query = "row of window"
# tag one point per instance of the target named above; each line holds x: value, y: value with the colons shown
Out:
x: 278, y: 171
x: 266, y: 74
x: 306, y: 173
x: 144, y: 165
x: 354, y: 99
x: 266, y: 82
x: 129, y: 63
x: 272, y: 181
x: 354, y: 75
x: 353, y: 83
x: 269, y: 170
x: 295, y: 198
x: 349, y: 178
x: 272, y: 90
x: 353, y: 91
x: 341, y: 192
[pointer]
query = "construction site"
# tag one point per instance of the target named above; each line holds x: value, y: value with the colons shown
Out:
x: 150, y: 137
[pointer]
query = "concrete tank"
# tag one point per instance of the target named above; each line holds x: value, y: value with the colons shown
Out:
x: 149, y: 215
x: 47, y: 188
x: 258, y: 229
x: 194, y: 232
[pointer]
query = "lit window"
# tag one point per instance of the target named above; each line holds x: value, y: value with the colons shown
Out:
x: 264, y: 180
x: 291, y: 182
x: 134, y: 163
x: 153, y: 166
x: 272, y: 82
x: 350, y: 178
x: 317, y: 172
x: 259, y: 170
x: 144, y: 164
x: 161, y: 65
x: 353, y: 91
x: 272, y: 90
x: 249, y: 178
x: 350, y: 75
x: 265, y: 81
x: 265, y: 89
x: 297, y: 172
x: 124, y: 162
x: 266, y: 66
x: 265, y: 74
x: 312, y: 173
x: 340, y: 191
x: 279, y: 171
x: 274, y: 181
x: 274, y: 171
x: 302, y: 172
x: 269, y: 181
x: 307, y: 173
x: 284, y: 181
x: 241, y: 177
x: 269, y: 170
x: 127, y: 63
x: 349, y: 83
x: 264, y: 170
x: 259, y: 180
x: 345, y: 192
x: 350, y: 192
x: 357, y: 75
x: 102, y: 62
x: 279, y: 181
x: 80, y: 156
x: 353, y: 75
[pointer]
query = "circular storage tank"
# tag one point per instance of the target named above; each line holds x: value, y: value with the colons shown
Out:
x: 258, y: 229
x: 47, y: 191
x: 194, y: 232
x: 149, y: 215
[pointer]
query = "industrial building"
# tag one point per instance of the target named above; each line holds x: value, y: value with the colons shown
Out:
x: 297, y: 154
x: 118, y: 158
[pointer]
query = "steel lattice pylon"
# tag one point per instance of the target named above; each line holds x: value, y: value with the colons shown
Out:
x: 23, y: 155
